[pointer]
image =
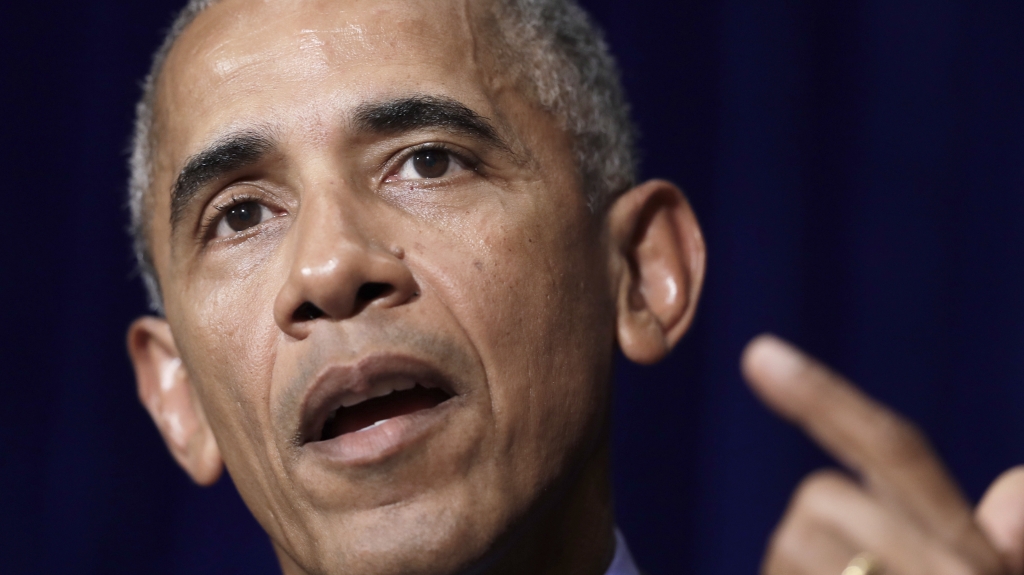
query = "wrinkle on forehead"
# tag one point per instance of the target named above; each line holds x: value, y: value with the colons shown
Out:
x: 376, y: 31
x: 314, y: 53
x: 230, y: 39
x: 237, y: 48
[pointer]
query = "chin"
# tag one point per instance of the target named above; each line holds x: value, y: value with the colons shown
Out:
x: 426, y: 536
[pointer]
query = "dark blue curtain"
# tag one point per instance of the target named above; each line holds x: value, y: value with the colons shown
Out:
x: 858, y: 169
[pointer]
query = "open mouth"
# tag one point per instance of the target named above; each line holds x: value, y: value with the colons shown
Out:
x: 390, y: 400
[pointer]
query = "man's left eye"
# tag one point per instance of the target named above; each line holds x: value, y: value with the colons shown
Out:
x: 429, y: 165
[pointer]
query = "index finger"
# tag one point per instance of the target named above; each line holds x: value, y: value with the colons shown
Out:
x: 893, y: 458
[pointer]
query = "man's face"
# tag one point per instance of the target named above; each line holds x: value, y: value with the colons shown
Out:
x: 353, y: 200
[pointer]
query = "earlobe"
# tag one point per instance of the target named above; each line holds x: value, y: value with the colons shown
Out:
x: 166, y: 392
x: 659, y: 258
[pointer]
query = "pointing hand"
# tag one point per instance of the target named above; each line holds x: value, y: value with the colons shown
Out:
x: 898, y: 510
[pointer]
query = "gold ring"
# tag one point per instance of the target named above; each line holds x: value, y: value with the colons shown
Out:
x: 862, y: 564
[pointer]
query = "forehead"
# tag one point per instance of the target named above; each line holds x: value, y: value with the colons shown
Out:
x: 274, y: 61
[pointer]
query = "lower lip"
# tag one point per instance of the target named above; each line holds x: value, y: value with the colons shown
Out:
x: 382, y: 441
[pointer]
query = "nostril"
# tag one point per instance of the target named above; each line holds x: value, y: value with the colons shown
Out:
x: 307, y: 312
x: 372, y: 290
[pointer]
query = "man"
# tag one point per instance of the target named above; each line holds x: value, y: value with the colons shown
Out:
x: 395, y: 244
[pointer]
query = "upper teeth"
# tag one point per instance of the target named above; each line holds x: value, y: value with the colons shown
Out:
x: 380, y: 390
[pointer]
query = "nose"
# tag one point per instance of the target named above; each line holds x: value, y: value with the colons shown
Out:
x: 336, y: 273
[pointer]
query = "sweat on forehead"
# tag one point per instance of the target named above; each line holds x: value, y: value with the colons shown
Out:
x: 551, y: 46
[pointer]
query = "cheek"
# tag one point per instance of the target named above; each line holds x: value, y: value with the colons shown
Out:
x: 230, y: 349
x: 533, y: 300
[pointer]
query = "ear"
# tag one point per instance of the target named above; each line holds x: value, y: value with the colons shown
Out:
x: 167, y: 393
x: 658, y: 259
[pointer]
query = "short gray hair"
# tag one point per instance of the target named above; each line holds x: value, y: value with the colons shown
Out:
x: 560, y: 52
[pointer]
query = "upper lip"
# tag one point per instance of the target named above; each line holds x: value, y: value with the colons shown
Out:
x: 373, y: 376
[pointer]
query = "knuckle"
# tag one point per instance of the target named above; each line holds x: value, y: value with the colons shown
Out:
x: 817, y: 493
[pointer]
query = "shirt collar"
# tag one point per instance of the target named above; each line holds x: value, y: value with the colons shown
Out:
x: 623, y: 563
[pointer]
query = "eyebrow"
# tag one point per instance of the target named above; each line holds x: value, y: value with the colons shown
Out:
x: 419, y: 112
x: 239, y: 150
x: 228, y: 154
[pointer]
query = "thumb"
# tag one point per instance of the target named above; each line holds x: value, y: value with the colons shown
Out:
x: 1001, y: 516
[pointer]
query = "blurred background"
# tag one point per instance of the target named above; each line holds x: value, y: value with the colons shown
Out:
x: 859, y: 171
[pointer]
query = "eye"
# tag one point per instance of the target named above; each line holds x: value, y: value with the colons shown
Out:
x: 242, y: 216
x: 429, y: 164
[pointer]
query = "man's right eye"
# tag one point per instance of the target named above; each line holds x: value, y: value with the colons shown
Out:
x: 240, y: 217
